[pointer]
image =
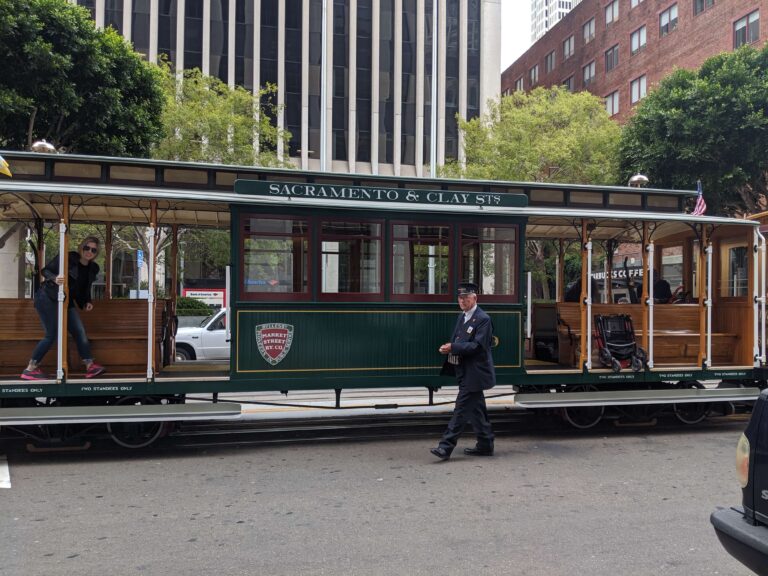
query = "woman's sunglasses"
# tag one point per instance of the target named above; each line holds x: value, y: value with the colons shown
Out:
x: 91, y: 249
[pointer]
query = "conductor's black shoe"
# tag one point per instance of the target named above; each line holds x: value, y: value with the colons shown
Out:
x: 478, y: 452
x: 441, y: 453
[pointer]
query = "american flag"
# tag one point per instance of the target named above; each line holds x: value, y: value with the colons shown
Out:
x: 701, y: 205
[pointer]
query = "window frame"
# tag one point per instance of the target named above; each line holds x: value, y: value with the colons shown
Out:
x: 571, y: 43
x: 450, y: 296
x: 613, y: 54
x: 641, y: 31
x: 671, y: 24
x: 747, y: 29
x: 705, y: 5
x: 611, y: 8
x: 549, y: 62
x: 644, y: 83
x: 613, y: 96
x: 317, y: 256
x: 274, y: 296
x: 593, y: 68
x: 591, y: 25
x: 516, y: 280
x: 533, y: 75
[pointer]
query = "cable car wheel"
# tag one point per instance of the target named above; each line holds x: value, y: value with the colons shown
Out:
x: 586, y: 417
x: 693, y: 412
x: 136, y: 434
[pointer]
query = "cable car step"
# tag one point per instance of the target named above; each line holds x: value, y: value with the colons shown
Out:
x: 118, y: 413
x: 630, y: 397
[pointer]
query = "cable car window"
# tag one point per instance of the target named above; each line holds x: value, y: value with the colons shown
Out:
x: 275, y: 257
x: 420, y: 259
x: 489, y: 259
x: 351, y: 257
x: 736, y: 284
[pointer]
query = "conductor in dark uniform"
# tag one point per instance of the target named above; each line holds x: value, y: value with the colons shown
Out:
x: 469, y: 358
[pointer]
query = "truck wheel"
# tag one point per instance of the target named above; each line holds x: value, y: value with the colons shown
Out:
x: 183, y: 354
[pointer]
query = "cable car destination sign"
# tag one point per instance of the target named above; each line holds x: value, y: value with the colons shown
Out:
x: 375, y: 194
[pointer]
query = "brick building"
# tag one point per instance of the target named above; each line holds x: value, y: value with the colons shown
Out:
x: 620, y: 49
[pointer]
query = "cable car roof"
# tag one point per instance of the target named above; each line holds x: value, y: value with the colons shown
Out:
x: 24, y: 200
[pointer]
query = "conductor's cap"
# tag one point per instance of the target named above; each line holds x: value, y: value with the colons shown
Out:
x: 466, y: 288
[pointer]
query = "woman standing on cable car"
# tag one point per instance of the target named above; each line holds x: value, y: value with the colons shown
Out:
x: 82, y: 271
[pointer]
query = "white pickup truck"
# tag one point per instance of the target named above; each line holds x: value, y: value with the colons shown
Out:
x: 208, y: 341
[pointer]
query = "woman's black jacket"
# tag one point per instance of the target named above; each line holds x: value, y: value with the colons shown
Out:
x: 51, y: 271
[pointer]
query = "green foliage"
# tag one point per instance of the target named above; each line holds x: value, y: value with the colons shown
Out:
x: 546, y: 135
x: 191, y: 307
x: 707, y: 125
x: 208, y: 246
x: 207, y: 121
x: 85, y: 90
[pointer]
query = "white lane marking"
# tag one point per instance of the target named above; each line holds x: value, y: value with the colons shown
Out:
x: 5, y: 473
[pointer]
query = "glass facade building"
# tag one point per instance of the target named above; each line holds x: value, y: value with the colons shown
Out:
x: 354, y: 77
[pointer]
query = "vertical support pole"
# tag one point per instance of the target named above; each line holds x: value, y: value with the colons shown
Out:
x: 763, y: 289
x: 170, y: 341
x: 560, y: 279
x: 651, y: 302
x: 755, y: 292
x: 701, y: 280
x: 108, y: 262
x: 589, y: 305
x: 529, y: 305
x: 708, y: 359
x: 228, y: 302
x: 644, y: 292
x: 61, y: 361
x: 583, y: 313
x: 151, y: 291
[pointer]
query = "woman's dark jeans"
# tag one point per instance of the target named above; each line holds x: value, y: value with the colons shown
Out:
x: 47, y: 309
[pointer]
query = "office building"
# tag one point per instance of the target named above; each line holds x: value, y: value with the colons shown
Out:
x: 620, y: 49
x: 354, y: 77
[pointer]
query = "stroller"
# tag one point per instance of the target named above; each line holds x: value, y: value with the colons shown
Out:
x: 615, y: 337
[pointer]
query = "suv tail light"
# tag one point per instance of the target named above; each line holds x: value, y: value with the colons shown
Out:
x: 742, y: 461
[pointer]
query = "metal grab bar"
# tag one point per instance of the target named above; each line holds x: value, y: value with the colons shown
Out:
x: 589, y: 305
x: 650, y: 302
x: 63, y: 270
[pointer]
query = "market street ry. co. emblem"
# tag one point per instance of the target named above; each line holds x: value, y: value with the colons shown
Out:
x: 274, y: 341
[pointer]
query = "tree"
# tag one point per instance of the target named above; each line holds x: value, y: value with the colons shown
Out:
x: 207, y: 121
x: 85, y: 90
x: 546, y: 135
x: 707, y: 125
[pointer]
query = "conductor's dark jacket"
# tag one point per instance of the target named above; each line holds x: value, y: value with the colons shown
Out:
x: 471, y: 341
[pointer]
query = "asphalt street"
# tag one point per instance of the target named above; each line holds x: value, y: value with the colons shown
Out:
x: 631, y: 502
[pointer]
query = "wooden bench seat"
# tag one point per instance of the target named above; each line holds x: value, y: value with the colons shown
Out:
x: 117, y: 332
x: 675, y: 333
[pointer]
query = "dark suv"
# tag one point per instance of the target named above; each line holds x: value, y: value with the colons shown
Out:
x: 743, y: 531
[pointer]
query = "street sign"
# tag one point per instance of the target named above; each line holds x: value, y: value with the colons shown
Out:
x: 139, y: 258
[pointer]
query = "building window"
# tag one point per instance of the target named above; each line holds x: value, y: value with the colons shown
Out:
x: 637, y: 40
x: 611, y: 58
x: 611, y: 13
x: 700, y: 5
x: 421, y: 256
x: 612, y: 103
x: 634, y: 3
x: 568, y: 84
x: 533, y: 75
x: 568, y: 47
x: 588, y: 73
x: 637, y: 89
x: 746, y: 30
x: 549, y: 62
x: 588, y: 31
x: 668, y: 20
x: 275, y: 262
x: 489, y: 259
x: 351, y: 257
x: 519, y: 84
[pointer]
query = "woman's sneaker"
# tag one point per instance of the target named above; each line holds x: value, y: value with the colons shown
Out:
x: 94, y: 370
x: 34, y: 374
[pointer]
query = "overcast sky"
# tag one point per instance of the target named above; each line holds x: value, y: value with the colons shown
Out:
x: 515, y: 30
